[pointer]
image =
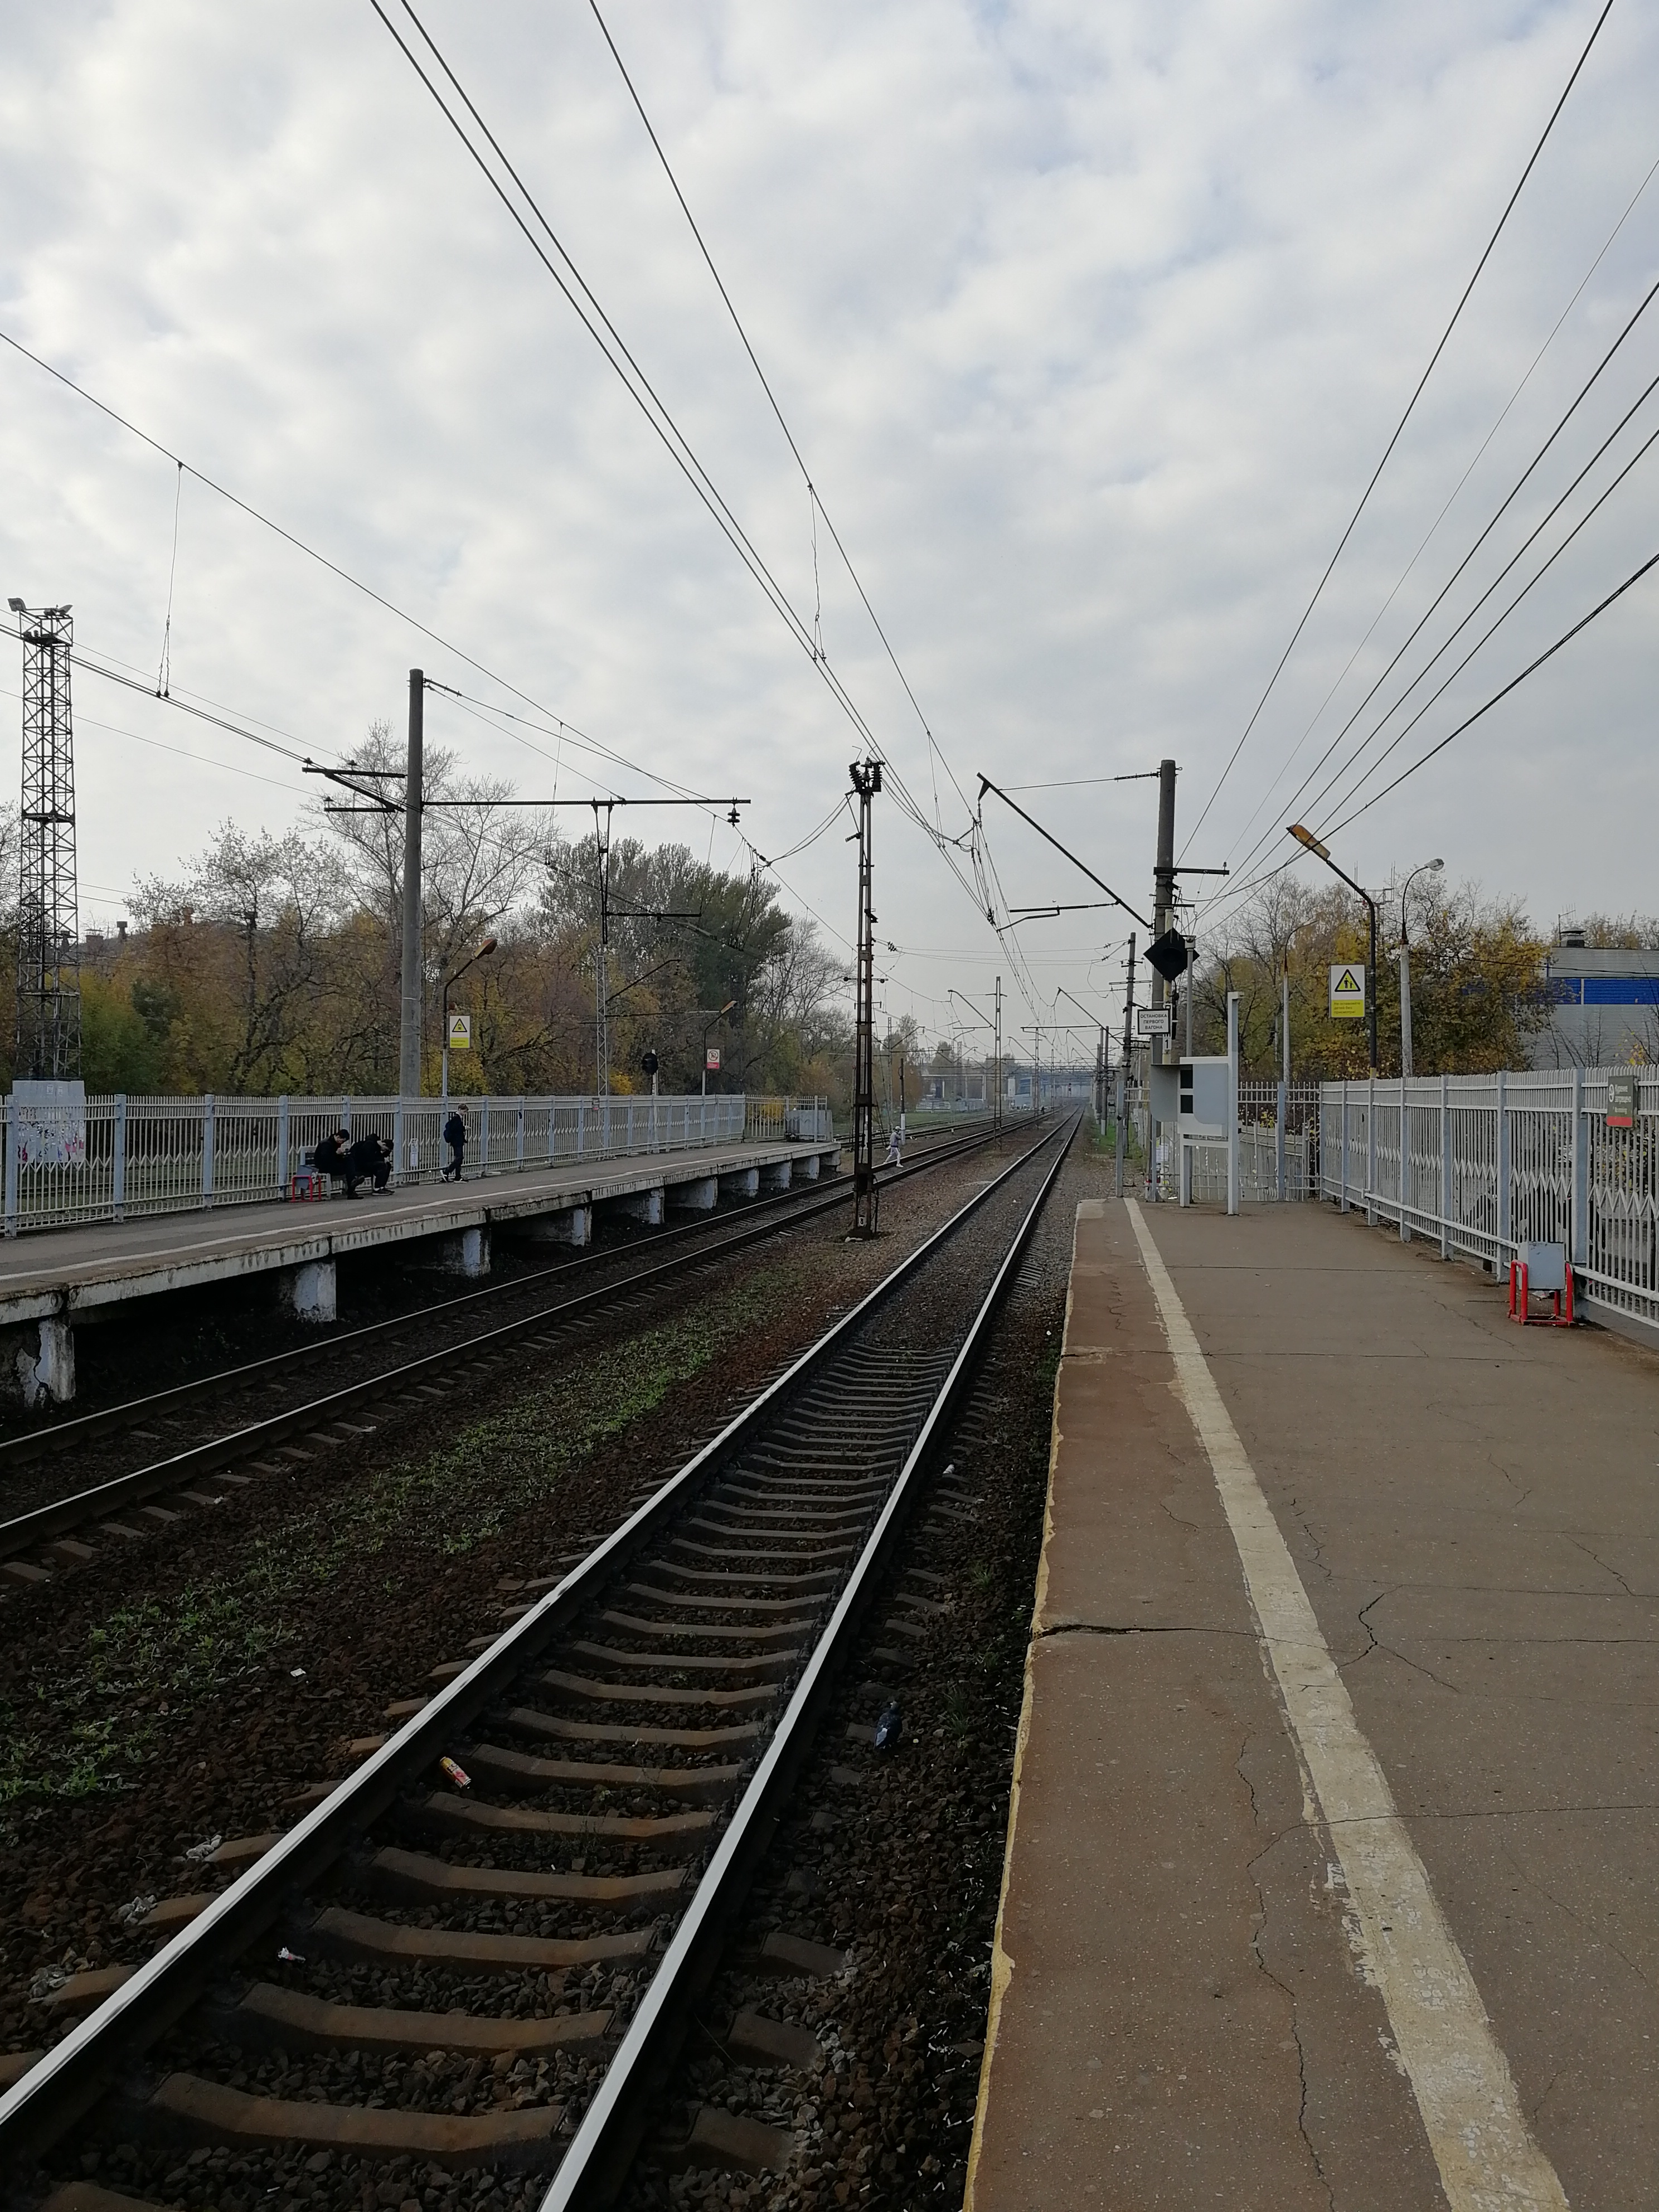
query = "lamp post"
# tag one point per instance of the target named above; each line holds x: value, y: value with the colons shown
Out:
x: 1306, y: 837
x: 1428, y: 868
x: 706, y: 1026
x: 482, y: 953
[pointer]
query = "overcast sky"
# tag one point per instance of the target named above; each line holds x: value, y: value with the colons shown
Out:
x: 1091, y: 323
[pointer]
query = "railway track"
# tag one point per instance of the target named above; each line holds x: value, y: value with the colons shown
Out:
x: 479, y: 1950
x: 198, y: 1446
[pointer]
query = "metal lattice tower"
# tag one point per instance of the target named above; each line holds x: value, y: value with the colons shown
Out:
x: 866, y: 782
x: 48, y: 932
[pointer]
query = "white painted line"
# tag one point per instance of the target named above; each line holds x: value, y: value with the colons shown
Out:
x: 1487, y: 2158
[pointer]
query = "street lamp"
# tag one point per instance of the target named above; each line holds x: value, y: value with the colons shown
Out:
x: 482, y: 953
x: 1428, y: 868
x: 706, y: 1026
x: 1306, y: 837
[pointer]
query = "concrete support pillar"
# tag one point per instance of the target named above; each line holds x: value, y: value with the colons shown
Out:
x: 740, y: 1183
x: 644, y: 1206
x: 698, y: 1197
x: 806, y: 1167
x: 776, y: 1175
x: 308, y: 1293
x: 467, y: 1254
x: 573, y: 1226
x: 37, y: 1363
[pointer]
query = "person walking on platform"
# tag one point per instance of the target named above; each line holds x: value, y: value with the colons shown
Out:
x: 455, y: 1138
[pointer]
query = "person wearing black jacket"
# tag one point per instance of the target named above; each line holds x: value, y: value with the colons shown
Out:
x: 370, y: 1158
x: 455, y: 1138
x: 331, y: 1156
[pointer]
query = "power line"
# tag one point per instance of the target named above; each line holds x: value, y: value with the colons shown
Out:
x: 1398, y: 427
x: 1266, y: 837
x: 772, y: 400
x: 1549, y: 651
x: 1537, y: 577
x: 1474, y: 459
x: 604, y: 335
x: 1267, y: 875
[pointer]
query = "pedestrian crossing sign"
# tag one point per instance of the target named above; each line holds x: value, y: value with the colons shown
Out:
x: 1348, y: 992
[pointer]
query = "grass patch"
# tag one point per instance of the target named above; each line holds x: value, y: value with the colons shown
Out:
x: 89, y: 1722
x: 73, y: 1736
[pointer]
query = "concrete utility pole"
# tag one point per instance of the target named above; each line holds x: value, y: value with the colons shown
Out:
x: 1284, y: 1024
x: 1123, y: 1070
x: 1428, y: 868
x: 408, y: 1037
x: 1163, y: 874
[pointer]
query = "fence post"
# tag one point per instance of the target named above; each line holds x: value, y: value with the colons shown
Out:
x: 484, y: 1136
x: 117, y: 1186
x: 1580, y: 1215
x: 1371, y: 1151
x: 281, y: 1143
x: 1445, y: 1167
x: 581, y: 1110
x: 1504, y: 1209
x: 520, y: 1158
x: 1278, y: 1146
x: 11, y: 1164
x: 400, y: 1159
x: 1405, y: 1124
x: 1344, y: 1203
x: 207, y: 1150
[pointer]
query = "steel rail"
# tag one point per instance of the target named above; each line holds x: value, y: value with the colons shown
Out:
x: 25, y: 1532
x: 57, y: 1436
x: 594, y: 2168
x: 75, y: 2072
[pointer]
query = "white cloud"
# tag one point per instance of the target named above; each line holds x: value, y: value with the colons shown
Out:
x: 1092, y: 322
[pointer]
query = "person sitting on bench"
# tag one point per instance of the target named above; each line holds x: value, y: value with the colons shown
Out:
x: 370, y: 1156
x: 330, y: 1157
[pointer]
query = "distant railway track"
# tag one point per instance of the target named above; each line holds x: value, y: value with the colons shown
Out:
x: 200, y: 1450
x: 657, y: 1706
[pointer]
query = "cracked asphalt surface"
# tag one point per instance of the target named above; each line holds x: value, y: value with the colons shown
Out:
x: 1185, y: 2018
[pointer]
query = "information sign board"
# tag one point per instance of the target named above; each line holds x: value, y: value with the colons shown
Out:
x: 461, y: 1033
x: 1152, y: 1021
x: 1621, y: 1101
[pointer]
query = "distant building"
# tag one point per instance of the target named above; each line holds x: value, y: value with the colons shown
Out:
x: 1604, y: 1005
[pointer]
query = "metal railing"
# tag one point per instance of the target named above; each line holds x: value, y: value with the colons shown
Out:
x: 1269, y: 1170
x: 1484, y: 1163
x: 122, y: 1157
x: 1278, y: 1150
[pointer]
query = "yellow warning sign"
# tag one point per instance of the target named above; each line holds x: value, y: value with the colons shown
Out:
x: 1347, y: 992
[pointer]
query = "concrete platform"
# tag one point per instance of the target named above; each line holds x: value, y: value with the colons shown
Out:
x: 49, y: 1282
x: 1329, y: 1878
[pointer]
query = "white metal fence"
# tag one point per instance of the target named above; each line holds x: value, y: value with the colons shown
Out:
x: 1278, y: 1150
x: 1270, y: 1167
x: 1484, y: 1164
x: 138, y: 1156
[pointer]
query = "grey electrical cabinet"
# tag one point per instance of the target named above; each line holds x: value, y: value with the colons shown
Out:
x: 1204, y: 1100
